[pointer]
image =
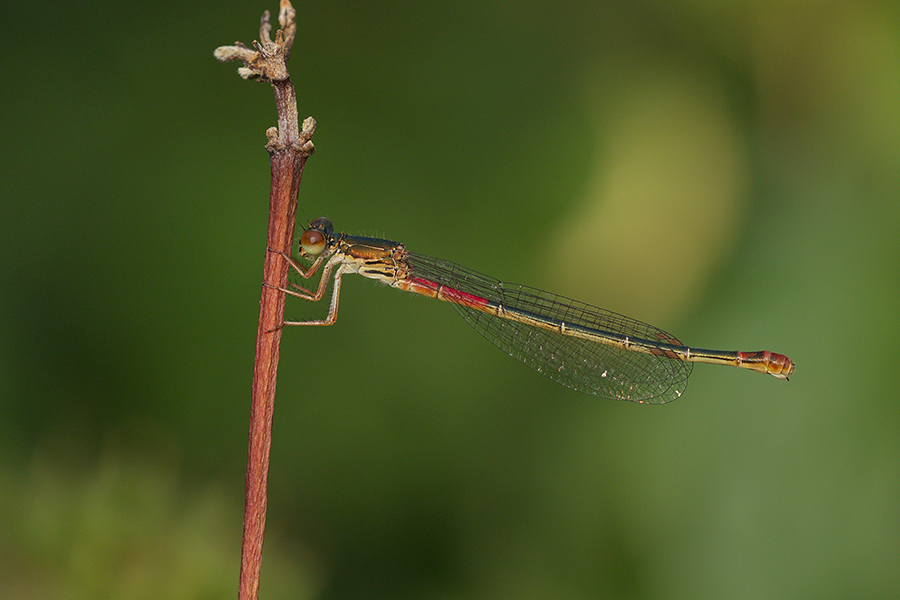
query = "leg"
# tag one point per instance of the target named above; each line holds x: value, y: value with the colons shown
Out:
x: 301, y: 292
x: 304, y: 273
x: 335, y: 296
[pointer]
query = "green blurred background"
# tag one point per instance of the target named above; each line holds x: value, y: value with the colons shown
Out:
x: 727, y: 171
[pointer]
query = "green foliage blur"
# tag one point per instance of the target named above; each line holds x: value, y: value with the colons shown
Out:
x: 727, y: 171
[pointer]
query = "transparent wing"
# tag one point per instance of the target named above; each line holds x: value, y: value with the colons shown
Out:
x: 581, y: 364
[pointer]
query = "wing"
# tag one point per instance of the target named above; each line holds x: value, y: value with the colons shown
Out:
x: 585, y: 353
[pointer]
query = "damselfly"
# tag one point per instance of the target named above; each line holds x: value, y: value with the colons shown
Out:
x: 580, y: 346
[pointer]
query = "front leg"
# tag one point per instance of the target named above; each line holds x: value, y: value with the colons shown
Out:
x: 302, y: 292
x: 304, y: 273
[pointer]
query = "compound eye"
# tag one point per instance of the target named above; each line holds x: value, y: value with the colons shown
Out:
x: 313, y: 242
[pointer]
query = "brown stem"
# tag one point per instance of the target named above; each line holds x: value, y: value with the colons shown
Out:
x: 289, y: 147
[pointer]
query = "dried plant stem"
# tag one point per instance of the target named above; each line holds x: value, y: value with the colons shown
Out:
x: 289, y: 146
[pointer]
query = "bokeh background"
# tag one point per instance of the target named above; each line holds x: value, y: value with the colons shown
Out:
x: 728, y: 171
